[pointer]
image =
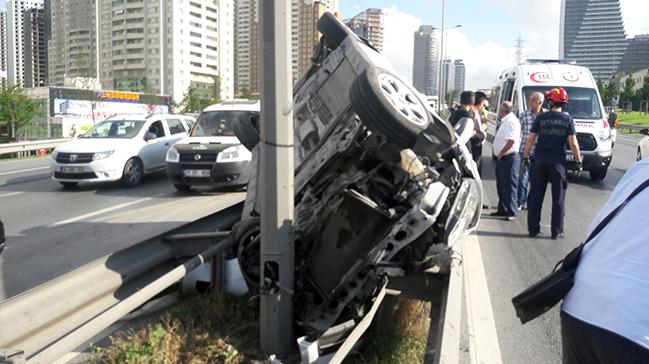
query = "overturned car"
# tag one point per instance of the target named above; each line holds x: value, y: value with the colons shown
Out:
x: 383, y: 186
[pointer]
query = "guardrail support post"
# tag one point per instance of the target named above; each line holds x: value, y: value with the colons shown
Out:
x: 277, y: 255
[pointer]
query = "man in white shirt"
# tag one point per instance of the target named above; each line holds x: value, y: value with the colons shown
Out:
x: 605, y: 316
x: 505, y: 148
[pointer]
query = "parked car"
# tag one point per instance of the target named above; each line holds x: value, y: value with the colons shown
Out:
x: 643, y: 145
x: 212, y: 155
x: 594, y: 134
x: 3, y: 240
x: 383, y: 186
x: 122, y: 148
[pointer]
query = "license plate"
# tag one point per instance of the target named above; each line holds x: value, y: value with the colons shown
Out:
x: 73, y: 170
x: 570, y: 157
x: 196, y: 173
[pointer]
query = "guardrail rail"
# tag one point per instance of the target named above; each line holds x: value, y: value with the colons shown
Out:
x: 10, y: 148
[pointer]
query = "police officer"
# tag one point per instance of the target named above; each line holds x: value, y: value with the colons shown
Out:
x: 553, y: 129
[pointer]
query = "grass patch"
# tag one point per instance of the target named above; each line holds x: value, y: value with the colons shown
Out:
x: 633, y: 118
x: 200, y: 329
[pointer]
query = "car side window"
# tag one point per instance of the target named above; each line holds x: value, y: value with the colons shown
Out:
x: 190, y: 123
x: 156, y: 130
x: 175, y: 126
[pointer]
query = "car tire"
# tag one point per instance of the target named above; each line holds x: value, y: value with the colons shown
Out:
x: 69, y: 185
x: 389, y: 106
x: 182, y: 187
x: 638, y: 156
x: 598, y: 174
x: 246, y: 131
x: 333, y: 31
x: 133, y: 172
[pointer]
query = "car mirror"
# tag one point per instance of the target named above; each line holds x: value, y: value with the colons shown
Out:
x: 149, y: 136
x: 464, y: 130
x: 644, y: 131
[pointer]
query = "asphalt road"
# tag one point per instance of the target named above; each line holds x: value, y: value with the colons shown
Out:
x: 51, y: 231
x: 513, y: 261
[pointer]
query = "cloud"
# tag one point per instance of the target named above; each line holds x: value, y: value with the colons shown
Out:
x: 635, y: 16
x: 484, y: 62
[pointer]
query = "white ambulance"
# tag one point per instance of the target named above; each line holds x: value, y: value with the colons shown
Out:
x: 594, y: 133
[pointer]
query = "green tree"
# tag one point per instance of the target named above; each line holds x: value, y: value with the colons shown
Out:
x: 16, y: 109
x: 601, y: 87
x: 643, y: 92
x: 451, y: 96
x: 628, y: 91
x: 246, y: 94
x: 610, y: 93
x: 194, y: 100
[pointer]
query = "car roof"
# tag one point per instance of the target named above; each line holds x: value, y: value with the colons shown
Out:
x: 145, y: 117
x: 235, y: 105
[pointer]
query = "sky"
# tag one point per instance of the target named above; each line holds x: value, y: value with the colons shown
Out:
x: 489, y: 29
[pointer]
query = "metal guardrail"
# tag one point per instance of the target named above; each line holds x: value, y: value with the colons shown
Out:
x: 631, y: 128
x: 41, y: 325
x: 9, y: 148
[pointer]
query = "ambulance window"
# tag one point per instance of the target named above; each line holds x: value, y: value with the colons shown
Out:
x: 515, y: 103
x: 493, y: 100
x: 508, y: 91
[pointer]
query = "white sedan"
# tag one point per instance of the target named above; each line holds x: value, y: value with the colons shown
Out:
x: 643, y: 145
x: 123, y: 148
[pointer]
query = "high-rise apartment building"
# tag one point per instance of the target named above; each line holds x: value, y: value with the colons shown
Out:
x: 592, y: 33
x: 15, y: 38
x: 3, y: 49
x: 369, y: 25
x: 247, y: 48
x: 304, y: 34
x: 425, y: 65
x: 460, y: 75
x: 448, y: 78
x: 72, y: 46
x: 35, y: 48
x: 166, y: 46
x: 636, y: 57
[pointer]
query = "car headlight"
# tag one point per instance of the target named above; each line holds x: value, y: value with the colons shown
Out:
x: 604, y: 135
x: 102, y: 155
x: 172, y: 155
x: 55, y: 154
x: 233, y: 154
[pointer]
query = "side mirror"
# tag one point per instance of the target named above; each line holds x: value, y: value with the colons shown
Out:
x: 644, y: 131
x: 464, y: 129
x: 149, y: 136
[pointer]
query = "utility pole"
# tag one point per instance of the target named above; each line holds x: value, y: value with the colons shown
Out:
x: 277, y: 200
x: 440, y: 97
x: 520, y: 50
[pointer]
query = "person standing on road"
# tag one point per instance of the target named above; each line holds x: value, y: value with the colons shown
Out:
x: 553, y: 128
x: 465, y: 109
x: 479, y: 118
x: 605, y: 316
x: 505, y: 148
x: 527, y: 119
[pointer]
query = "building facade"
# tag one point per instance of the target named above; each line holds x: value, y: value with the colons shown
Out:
x: 460, y: 75
x: 304, y: 34
x: 592, y: 33
x: 166, y: 46
x: 425, y: 65
x: 15, y: 38
x: 448, y: 78
x: 3, y: 49
x: 72, y: 46
x: 35, y: 48
x: 369, y: 25
x: 247, y: 48
x: 636, y: 57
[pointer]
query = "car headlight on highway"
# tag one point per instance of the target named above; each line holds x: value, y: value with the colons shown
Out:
x: 54, y: 154
x: 172, y: 155
x: 604, y: 135
x: 102, y: 155
x: 232, y: 154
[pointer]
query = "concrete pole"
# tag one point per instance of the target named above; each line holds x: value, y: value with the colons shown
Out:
x: 277, y: 254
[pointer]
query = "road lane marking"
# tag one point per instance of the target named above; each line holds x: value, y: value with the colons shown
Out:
x: 11, y: 194
x: 483, y: 338
x: 24, y: 170
x: 103, y: 211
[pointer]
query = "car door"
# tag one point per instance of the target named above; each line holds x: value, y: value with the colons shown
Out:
x: 644, y: 147
x: 177, y: 129
x: 157, y: 143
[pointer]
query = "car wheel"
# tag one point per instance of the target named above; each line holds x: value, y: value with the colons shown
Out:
x: 638, y: 156
x: 182, y: 187
x: 69, y: 185
x: 389, y: 106
x: 598, y: 174
x: 247, y: 130
x: 133, y: 172
x: 333, y: 31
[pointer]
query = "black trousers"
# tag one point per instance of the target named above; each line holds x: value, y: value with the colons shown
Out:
x: 476, y: 152
x: 544, y: 171
x: 587, y: 344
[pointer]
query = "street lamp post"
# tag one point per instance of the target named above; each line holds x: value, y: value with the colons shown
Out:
x: 442, y: 54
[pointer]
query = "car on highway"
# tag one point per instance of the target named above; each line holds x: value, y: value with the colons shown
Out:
x: 121, y: 148
x: 383, y: 186
x: 3, y: 240
x: 643, y: 145
x: 212, y: 155
x: 594, y: 134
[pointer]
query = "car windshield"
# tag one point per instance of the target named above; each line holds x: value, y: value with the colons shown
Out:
x: 216, y: 123
x: 123, y: 129
x: 583, y: 103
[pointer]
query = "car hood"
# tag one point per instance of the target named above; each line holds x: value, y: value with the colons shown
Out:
x: 95, y: 145
x: 229, y: 140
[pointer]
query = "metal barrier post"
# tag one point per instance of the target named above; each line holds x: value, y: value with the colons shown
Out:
x: 277, y: 256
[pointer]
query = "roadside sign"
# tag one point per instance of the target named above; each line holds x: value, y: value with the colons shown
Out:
x: 42, y: 151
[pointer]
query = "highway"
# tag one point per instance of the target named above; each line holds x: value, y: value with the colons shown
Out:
x: 512, y: 261
x: 51, y: 231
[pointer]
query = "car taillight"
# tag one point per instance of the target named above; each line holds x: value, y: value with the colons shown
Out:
x: 605, y: 124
